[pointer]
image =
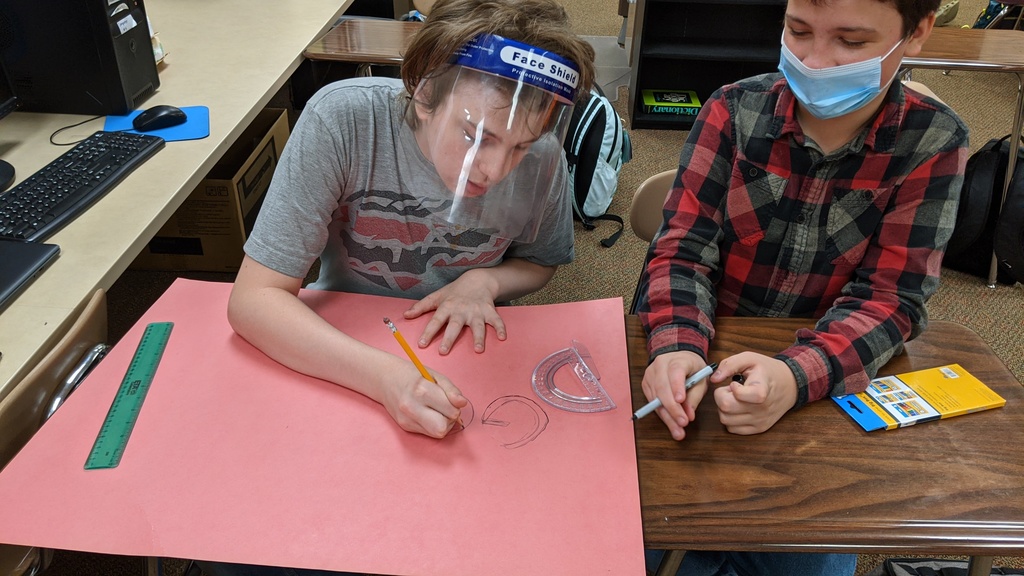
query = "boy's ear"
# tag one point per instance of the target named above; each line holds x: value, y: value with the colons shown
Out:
x: 420, y: 99
x: 422, y: 114
x: 920, y: 35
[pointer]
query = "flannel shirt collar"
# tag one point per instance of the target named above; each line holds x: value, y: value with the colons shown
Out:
x: 880, y: 135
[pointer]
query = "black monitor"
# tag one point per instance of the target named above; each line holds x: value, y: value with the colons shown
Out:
x: 7, y: 105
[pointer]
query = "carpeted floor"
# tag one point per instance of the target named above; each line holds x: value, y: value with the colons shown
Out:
x: 983, y: 100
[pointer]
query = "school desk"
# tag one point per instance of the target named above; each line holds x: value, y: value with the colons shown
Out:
x: 364, y: 40
x: 815, y: 482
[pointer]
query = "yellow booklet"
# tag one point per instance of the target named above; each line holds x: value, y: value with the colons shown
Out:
x: 919, y: 396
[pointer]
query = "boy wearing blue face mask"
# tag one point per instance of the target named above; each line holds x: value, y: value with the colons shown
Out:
x: 825, y: 191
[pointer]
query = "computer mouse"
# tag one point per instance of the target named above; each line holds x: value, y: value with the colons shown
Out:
x: 157, y: 117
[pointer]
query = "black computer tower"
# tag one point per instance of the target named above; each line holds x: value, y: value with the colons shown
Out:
x: 78, y: 56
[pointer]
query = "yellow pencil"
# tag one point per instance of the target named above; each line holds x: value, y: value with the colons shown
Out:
x: 412, y: 356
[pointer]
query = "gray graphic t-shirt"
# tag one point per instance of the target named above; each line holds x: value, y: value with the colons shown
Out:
x: 353, y: 188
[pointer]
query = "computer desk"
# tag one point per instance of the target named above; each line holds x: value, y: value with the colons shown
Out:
x: 232, y: 56
x: 815, y: 482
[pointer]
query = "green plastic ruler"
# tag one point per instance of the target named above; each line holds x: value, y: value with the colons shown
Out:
x: 124, y: 411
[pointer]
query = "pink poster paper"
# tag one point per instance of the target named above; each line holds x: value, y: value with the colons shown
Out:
x: 237, y: 458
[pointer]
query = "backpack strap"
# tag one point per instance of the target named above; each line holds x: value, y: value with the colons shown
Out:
x: 609, y: 241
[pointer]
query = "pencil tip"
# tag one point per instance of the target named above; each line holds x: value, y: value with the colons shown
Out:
x: 633, y: 419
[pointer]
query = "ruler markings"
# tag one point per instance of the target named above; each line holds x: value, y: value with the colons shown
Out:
x: 124, y: 410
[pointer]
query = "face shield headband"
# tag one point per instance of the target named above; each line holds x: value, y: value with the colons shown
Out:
x: 491, y: 124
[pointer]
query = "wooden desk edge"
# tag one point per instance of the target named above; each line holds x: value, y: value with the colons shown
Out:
x: 351, y: 31
x: 992, y: 50
x: 959, y: 64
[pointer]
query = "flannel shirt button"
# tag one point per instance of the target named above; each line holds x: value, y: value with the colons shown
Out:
x: 800, y: 218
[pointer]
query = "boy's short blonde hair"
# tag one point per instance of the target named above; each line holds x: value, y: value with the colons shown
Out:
x: 453, y: 23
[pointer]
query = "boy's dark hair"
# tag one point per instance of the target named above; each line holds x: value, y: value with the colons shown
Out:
x: 912, y: 11
x: 453, y: 23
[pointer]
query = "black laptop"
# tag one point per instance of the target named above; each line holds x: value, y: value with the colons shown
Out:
x: 20, y: 262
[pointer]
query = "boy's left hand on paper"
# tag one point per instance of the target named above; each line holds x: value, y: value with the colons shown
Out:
x: 468, y: 301
x: 767, y: 392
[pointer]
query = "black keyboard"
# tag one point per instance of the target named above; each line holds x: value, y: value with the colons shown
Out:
x: 47, y: 200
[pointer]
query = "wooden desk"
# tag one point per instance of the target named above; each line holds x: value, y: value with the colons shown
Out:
x: 977, y: 50
x: 364, y: 40
x: 816, y: 482
x: 230, y: 55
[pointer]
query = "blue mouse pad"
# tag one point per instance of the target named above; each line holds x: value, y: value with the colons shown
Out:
x: 195, y: 127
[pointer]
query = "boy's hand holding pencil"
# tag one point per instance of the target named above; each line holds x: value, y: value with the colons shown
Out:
x: 455, y: 400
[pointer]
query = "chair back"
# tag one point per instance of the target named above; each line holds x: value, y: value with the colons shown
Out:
x: 645, y: 213
x: 23, y: 560
x: 25, y: 409
x: 645, y: 210
x: 922, y: 89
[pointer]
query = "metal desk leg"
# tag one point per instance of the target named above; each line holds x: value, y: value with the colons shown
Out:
x: 1015, y: 145
x: 671, y: 561
x: 979, y: 566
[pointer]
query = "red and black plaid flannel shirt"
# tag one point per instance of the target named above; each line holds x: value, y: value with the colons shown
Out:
x: 761, y: 223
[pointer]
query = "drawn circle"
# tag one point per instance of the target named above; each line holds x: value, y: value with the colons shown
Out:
x: 514, y: 421
x: 468, y: 413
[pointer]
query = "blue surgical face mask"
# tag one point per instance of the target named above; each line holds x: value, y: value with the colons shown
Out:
x: 837, y: 90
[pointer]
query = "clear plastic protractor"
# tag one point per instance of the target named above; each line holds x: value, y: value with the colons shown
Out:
x: 578, y: 360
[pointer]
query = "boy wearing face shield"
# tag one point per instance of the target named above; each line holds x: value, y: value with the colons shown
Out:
x: 447, y: 187
x: 825, y: 191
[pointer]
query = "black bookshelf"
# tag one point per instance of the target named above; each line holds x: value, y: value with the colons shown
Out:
x: 699, y: 45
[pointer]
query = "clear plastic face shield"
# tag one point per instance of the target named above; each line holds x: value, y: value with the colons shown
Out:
x: 492, y: 126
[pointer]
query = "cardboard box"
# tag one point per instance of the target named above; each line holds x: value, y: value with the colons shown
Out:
x: 210, y: 227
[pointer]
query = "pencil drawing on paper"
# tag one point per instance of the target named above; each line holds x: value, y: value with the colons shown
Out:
x: 468, y: 413
x: 514, y: 421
